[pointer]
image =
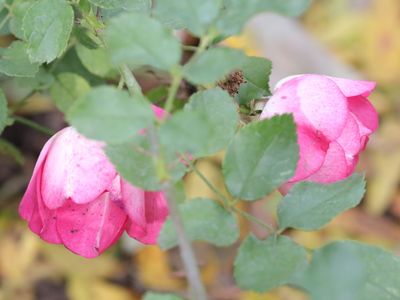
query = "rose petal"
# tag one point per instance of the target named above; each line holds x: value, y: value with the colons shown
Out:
x: 350, y: 139
x: 147, y: 212
x: 365, y: 114
x: 75, y: 168
x: 89, y: 229
x: 312, y: 153
x: 158, y: 111
x: 334, y: 167
x: 284, y: 100
x: 323, y: 104
x: 351, y: 88
x: 28, y: 202
x: 32, y: 209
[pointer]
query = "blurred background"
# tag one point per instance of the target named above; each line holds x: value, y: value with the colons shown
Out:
x: 346, y: 38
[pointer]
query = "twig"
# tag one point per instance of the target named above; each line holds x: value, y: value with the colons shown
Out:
x: 197, y: 289
x: 33, y: 125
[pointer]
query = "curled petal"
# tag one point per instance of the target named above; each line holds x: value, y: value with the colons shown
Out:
x: 334, y: 167
x: 147, y: 212
x: 350, y: 139
x: 351, y: 88
x: 312, y: 153
x: 323, y: 104
x: 41, y: 220
x: 365, y: 114
x: 28, y: 202
x: 89, y: 229
x: 76, y: 168
x: 284, y: 100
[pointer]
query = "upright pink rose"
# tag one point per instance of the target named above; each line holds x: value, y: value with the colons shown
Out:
x: 76, y: 198
x: 334, y: 120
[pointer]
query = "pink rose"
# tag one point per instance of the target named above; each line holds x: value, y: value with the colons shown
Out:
x: 334, y: 120
x: 76, y: 198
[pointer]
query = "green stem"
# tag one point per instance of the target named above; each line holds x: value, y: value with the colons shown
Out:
x: 189, y: 48
x: 254, y: 219
x: 229, y: 204
x: 208, y: 183
x: 33, y: 125
x: 130, y: 81
x: 173, y: 90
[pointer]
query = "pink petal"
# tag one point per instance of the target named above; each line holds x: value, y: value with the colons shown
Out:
x: 41, y: 219
x: 158, y: 111
x: 350, y: 139
x: 312, y: 153
x: 75, y: 168
x: 365, y: 114
x: 351, y: 88
x: 284, y: 100
x: 89, y: 229
x: 147, y: 212
x: 29, y: 200
x: 323, y: 104
x: 334, y: 167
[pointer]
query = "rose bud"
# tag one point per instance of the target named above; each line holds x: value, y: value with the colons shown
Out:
x: 76, y: 198
x: 334, y: 120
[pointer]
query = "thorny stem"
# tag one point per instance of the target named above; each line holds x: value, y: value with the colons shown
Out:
x: 33, y: 125
x: 197, y: 289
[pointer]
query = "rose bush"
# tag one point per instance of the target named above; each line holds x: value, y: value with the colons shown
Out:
x: 76, y: 198
x: 334, y: 120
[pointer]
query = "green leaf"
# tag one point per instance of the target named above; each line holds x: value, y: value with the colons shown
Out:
x: 204, y: 127
x: 263, y: 265
x: 138, y: 40
x: 67, y: 89
x: 41, y: 81
x: 109, y: 114
x: 309, y: 205
x: 237, y: 12
x: 12, y: 151
x: 70, y: 63
x: 186, y: 131
x: 154, y: 296
x: 219, y: 112
x: 135, y: 161
x: 212, y: 65
x: 112, y: 3
x: 203, y: 220
x: 97, y: 61
x: 15, y: 62
x: 47, y: 26
x: 195, y: 15
x: 3, y: 111
x: 19, y: 9
x: 86, y: 38
x: 256, y: 72
x: 138, y: 6
x: 261, y: 157
x: 348, y: 270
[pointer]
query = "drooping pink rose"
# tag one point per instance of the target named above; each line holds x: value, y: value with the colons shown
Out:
x: 334, y: 119
x: 76, y: 198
